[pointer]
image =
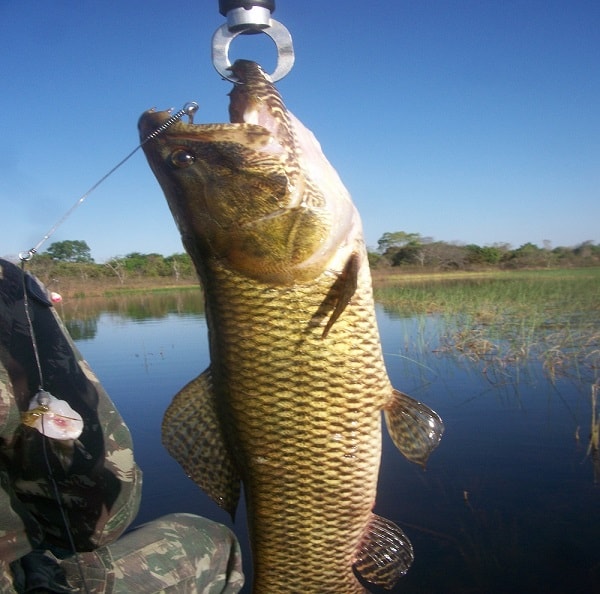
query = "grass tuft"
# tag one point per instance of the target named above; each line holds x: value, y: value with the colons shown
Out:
x: 506, y: 319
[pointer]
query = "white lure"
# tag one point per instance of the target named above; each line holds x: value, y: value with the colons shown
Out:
x: 52, y: 417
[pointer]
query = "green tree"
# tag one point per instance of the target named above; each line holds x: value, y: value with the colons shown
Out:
x: 180, y: 265
x: 135, y: 263
x: 410, y: 253
x: 397, y: 239
x: 527, y: 254
x: 585, y: 249
x: 399, y: 247
x: 487, y: 254
x: 73, y: 250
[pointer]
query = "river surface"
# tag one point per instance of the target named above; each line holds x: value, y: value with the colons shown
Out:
x: 507, y: 504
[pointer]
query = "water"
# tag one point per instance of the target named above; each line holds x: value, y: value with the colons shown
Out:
x: 507, y: 503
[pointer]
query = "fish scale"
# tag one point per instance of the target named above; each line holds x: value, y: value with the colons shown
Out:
x: 350, y: 389
x: 291, y: 403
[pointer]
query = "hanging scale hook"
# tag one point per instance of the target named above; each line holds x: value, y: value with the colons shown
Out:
x: 248, y: 17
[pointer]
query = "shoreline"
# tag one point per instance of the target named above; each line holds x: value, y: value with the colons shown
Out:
x: 72, y: 287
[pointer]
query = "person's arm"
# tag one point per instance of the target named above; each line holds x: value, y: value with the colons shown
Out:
x: 95, y: 477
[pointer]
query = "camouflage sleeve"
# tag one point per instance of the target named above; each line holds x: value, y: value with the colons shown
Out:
x: 96, y: 476
x: 178, y: 553
x: 6, y: 580
x: 119, y: 464
x: 18, y: 529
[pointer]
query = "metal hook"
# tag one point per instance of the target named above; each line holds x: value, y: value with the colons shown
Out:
x: 248, y: 17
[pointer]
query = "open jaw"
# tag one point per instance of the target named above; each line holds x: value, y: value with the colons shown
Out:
x: 245, y: 111
x: 151, y: 121
x: 258, y: 128
x: 267, y: 112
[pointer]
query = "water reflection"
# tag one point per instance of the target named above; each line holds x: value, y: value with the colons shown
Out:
x: 84, y: 329
x: 81, y: 315
x: 507, y: 503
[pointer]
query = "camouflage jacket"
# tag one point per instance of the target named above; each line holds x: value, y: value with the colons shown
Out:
x: 97, y: 478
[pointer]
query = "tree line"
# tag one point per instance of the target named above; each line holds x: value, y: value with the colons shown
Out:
x: 411, y: 250
x: 398, y: 249
x: 73, y: 258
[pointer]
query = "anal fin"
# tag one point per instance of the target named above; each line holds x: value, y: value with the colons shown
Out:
x: 385, y: 553
x: 415, y: 429
x: 192, y: 434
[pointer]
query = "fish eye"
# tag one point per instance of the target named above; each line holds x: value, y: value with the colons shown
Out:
x: 182, y: 158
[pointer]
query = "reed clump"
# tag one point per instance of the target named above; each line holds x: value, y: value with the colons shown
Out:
x: 593, y: 449
x: 508, y: 318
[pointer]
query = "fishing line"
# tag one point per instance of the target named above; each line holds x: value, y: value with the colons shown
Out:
x: 188, y: 109
x: 51, y: 477
x: 63, y: 512
x: 36, y: 353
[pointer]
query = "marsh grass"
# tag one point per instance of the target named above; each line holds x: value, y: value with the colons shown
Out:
x: 593, y: 449
x: 485, y: 295
x: 505, y: 320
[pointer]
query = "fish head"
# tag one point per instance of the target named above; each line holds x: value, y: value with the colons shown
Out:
x: 256, y: 194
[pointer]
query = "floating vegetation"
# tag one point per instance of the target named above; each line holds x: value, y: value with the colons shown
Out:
x: 563, y: 353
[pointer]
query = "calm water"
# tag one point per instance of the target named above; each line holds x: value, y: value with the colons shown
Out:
x: 507, y: 504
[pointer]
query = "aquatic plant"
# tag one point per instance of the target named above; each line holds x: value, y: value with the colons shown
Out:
x: 505, y: 320
x: 593, y: 449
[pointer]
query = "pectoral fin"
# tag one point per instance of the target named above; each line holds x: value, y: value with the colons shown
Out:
x: 192, y: 434
x: 385, y: 553
x: 344, y: 288
x: 414, y: 428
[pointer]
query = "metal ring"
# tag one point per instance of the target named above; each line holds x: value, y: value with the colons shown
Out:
x: 276, y: 31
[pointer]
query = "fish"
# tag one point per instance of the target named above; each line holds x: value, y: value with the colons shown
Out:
x: 291, y: 403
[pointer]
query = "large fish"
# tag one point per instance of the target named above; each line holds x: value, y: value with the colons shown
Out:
x: 291, y: 403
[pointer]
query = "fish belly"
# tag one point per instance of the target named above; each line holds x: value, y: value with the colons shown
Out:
x: 302, y: 413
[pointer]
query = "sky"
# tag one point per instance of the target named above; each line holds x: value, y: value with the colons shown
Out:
x: 473, y: 121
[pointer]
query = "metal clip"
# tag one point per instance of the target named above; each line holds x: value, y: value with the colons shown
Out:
x: 248, y: 17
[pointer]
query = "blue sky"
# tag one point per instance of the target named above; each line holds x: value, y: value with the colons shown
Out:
x: 471, y: 121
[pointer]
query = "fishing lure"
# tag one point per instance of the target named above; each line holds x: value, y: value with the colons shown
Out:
x: 52, y: 417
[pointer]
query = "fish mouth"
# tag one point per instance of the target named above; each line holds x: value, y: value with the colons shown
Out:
x: 254, y: 102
